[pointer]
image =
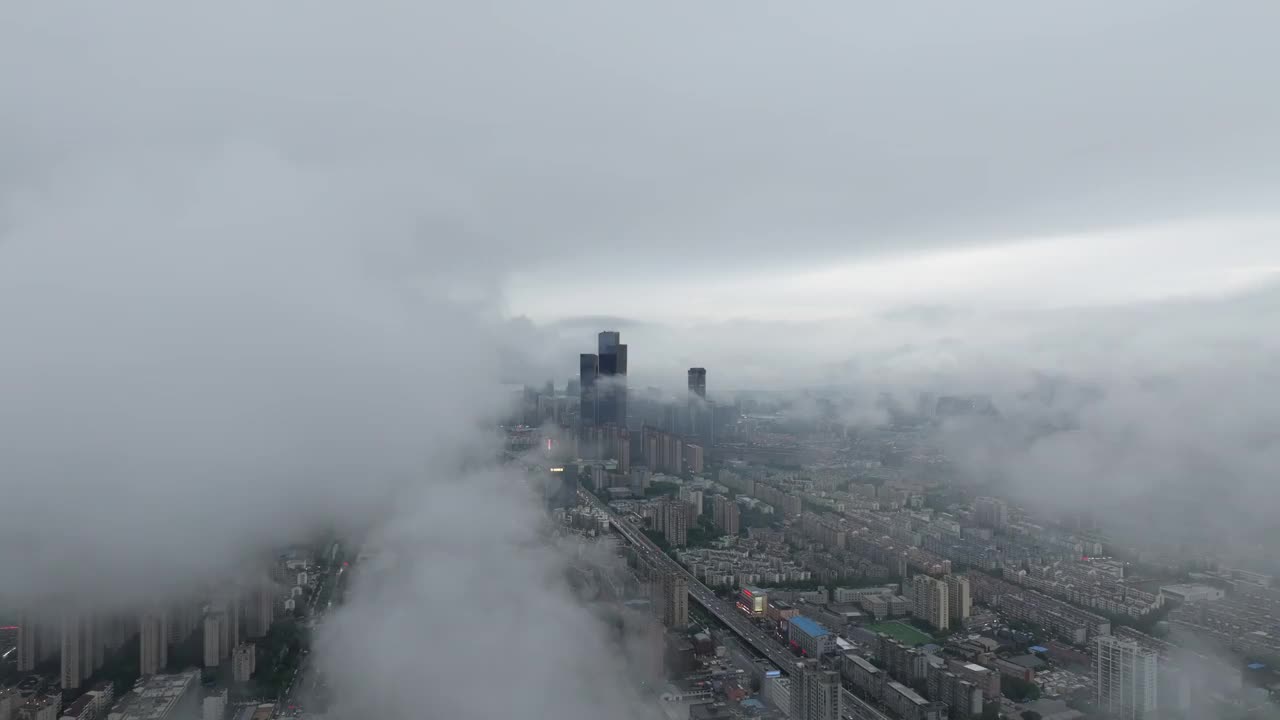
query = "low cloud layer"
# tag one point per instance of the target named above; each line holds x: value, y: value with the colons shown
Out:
x: 207, y: 356
x: 463, y: 610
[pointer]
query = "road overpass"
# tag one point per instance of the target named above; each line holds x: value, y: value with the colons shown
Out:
x: 724, y: 612
x: 853, y: 708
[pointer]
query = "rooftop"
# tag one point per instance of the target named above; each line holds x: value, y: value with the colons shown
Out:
x: 906, y: 692
x: 809, y: 627
x: 1027, y: 661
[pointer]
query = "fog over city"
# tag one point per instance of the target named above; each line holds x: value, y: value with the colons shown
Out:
x: 268, y: 271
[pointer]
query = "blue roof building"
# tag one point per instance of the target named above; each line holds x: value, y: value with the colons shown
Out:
x: 810, y: 637
x: 812, y: 628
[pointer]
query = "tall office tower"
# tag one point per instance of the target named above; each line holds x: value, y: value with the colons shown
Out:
x: 153, y: 642
x: 815, y: 693
x: 611, y: 391
x: 589, y: 403
x: 958, y: 602
x: 26, y: 644
x: 1126, y: 674
x: 929, y: 601
x: 698, y: 382
x: 72, y: 655
x: 991, y: 513
x: 212, y: 639
x: 675, y: 599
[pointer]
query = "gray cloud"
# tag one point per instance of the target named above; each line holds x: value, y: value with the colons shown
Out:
x: 564, y: 134
x: 458, y: 589
x: 206, y: 357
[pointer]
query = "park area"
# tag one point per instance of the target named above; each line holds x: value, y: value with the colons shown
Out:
x: 902, y: 632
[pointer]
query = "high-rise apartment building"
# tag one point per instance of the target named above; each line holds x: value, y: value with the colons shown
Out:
x: 153, y: 642
x: 675, y: 599
x: 243, y: 662
x: 234, y: 618
x: 991, y: 513
x: 178, y: 626
x: 213, y: 623
x: 73, y: 659
x: 663, y: 451
x: 959, y: 605
x: 26, y: 643
x: 224, y: 630
x: 725, y: 515
x: 98, y: 641
x: 1126, y: 676
x: 671, y: 518
x: 929, y: 601
x: 693, y: 498
x: 694, y: 458
x: 48, y: 639
x: 815, y: 693
x: 89, y: 650
x: 260, y: 611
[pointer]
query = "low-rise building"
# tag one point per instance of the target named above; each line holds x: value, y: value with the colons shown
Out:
x: 39, y: 708
x: 1192, y: 593
x: 810, y: 637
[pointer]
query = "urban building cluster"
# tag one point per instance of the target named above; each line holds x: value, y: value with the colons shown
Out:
x: 209, y: 638
x: 899, y: 593
x: 1239, y: 610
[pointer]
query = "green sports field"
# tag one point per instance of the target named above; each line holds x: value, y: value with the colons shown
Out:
x: 902, y: 632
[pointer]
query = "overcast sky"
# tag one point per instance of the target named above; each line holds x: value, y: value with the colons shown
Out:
x: 677, y: 161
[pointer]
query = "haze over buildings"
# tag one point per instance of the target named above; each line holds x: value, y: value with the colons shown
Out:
x: 266, y: 267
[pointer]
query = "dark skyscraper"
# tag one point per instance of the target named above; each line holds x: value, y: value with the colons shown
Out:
x: 611, y: 392
x: 701, y: 414
x: 588, y: 373
x: 698, y: 382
